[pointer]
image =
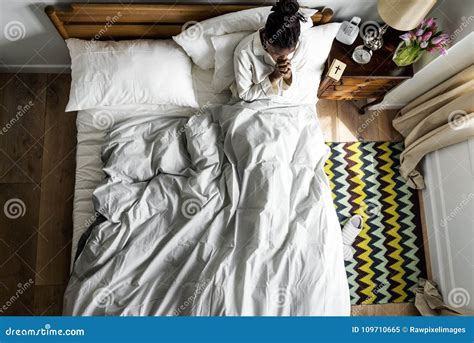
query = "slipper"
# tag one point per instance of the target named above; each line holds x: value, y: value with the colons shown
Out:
x: 352, y: 229
x: 348, y: 252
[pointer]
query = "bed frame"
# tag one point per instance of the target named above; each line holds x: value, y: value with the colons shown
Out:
x: 135, y: 21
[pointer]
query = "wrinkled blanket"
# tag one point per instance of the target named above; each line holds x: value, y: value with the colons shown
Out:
x: 228, y: 212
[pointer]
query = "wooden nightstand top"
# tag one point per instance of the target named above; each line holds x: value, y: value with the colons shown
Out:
x: 381, y: 64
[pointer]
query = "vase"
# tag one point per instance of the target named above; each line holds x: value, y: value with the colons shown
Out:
x: 407, y: 54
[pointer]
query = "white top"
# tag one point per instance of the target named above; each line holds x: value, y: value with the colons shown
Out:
x: 253, y: 65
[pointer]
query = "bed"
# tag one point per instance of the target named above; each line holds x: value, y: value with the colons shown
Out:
x: 234, y: 232
x: 90, y: 138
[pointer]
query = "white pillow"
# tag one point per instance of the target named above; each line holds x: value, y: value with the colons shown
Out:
x: 224, y: 59
x: 312, y: 54
x: 318, y: 42
x: 225, y: 46
x: 196, y: 40
x: 129, y: 72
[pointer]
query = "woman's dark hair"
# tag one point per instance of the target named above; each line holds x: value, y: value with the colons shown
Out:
x: 282, y: 28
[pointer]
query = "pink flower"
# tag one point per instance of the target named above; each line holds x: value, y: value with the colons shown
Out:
x: 439, y: 39
x: 429, y: 22
x: 406, y: 36
x: 426, y: 36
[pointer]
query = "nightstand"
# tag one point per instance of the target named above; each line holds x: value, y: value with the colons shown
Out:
x: 364, y: 81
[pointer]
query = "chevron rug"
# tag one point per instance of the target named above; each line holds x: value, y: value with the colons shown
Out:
x: 389, y: 257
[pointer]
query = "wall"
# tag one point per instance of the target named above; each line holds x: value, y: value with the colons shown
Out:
x: 42, y: 49
x: 456, y: 17
x: 449, y: 207
x: 449, y: 172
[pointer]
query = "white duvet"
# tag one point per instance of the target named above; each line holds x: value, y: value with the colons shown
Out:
x: 226, y: 213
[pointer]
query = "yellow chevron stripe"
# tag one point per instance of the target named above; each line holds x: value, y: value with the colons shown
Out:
x: 328, y: 169
x: 359, y: 201
x: 393, y: 222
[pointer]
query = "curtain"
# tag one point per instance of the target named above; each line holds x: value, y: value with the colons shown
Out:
x: 429, y: 301
x: 441, y: 117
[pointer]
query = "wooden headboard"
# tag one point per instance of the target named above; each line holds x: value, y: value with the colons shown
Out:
x: 135, y: 21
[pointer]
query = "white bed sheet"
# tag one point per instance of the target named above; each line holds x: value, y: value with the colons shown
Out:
x: 256, y: 249
x: 91, y: 127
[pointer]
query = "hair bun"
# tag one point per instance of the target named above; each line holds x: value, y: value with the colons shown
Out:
x: 286, y: 7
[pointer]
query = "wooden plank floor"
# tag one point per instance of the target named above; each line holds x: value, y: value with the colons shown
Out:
x: 37, y: 168
x: 341, y: 122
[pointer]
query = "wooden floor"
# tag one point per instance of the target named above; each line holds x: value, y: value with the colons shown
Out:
x: 37, y: 168
x: 341, y: 122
